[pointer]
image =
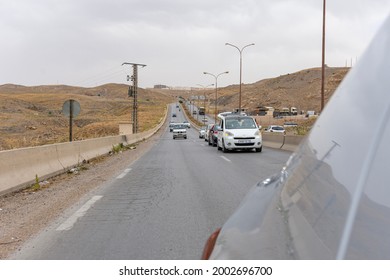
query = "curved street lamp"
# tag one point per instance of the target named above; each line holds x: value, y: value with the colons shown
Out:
x: 216, y: 90
x: 240, y: 50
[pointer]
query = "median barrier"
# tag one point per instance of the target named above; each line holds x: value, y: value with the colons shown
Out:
x: 19, y: 167
x: 273, y: 140
x: 281, y: 141
x: 292, y: 142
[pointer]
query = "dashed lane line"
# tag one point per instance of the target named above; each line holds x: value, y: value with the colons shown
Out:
x: 69, y: 223
x: 124, y: 173
x: 225, y: 158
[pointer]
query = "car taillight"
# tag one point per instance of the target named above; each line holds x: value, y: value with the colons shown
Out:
x: 216, y: 132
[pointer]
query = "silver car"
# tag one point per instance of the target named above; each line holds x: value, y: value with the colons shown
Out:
x: 180, y: 131
x: 332, y: 199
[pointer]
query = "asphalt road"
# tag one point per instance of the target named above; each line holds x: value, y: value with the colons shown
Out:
x: 163, y: 206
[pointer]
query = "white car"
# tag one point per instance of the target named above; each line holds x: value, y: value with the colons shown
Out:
x: 238, y: 132
x: 202, y: 132
x: 276, y: 128
x: 187, y: 123
x: 179, y: 131
x: 171, y: 126
x: 208, y: 127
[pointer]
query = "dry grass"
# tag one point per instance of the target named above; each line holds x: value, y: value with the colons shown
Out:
x: 32, y: 116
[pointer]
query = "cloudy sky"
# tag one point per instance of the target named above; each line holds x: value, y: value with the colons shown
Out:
x: 85, y: 42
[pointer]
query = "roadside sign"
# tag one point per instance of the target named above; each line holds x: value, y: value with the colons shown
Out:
x: 71, y: 104
x: 71, y: 109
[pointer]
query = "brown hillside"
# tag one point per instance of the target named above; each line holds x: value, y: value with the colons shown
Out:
x: 31, y: 116
x: 301, y: 89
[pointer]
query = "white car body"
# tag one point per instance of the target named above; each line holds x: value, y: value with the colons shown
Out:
x: 180, y: 131
x: 208, y: 127
x: 202, y: 132
x: 276, y: 128
x: 238, y: 132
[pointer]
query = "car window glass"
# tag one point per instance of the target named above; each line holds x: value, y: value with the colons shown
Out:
x: 372, y: 222
x: 231, y: 124
x: 248, y: 123
x: 318, y: 206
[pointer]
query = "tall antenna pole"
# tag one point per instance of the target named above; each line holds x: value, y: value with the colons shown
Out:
x: 323, y: 59
x: 133, y: 93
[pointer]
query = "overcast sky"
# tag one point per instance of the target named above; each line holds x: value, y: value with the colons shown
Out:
x: 85, y: 42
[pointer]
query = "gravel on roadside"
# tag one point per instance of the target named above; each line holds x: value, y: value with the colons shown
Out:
x: 25, y: 213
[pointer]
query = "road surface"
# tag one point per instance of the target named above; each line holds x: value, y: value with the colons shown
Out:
x: 163, y: 206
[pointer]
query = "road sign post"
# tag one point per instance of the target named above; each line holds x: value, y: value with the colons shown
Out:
x: 71, y: 109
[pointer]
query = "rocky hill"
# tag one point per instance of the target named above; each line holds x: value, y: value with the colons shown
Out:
x: 301, y: 89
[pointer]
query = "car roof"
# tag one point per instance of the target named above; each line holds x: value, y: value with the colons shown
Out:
x: 236, y: 116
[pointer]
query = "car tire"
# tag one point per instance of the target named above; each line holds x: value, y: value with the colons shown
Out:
x: 258, y: 150
x: 224, y: 148
x: 210, y: 143
x: 218, y: 147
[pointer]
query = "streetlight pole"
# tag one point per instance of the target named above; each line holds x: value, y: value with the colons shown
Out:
x: 216, y: 90
x: 240, y: 51
x: 204, y: 99
x: 323, y: 58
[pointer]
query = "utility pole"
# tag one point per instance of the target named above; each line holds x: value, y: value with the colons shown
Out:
x: 133, y: 93
x: 323, y: 57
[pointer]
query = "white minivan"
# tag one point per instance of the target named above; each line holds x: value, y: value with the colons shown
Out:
x: 238, y: 132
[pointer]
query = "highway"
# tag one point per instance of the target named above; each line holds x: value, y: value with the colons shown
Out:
x: 163, y: 206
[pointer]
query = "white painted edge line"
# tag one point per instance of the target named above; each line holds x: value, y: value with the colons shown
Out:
x: 225, y: 158
x: 69, y: 223
x: 123, y: 174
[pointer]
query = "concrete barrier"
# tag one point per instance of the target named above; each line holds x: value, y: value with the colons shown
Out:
x: 292, y: 142
x: 19, y: 167
x: 281, y: 141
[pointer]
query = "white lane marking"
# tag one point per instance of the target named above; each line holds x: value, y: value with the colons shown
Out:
x: 225, y: 158
x: 123, y: 174
x: 69, y: 223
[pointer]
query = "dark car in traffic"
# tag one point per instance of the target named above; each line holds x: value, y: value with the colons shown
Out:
x: 213, y: 135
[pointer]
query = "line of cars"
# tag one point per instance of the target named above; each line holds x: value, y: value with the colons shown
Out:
x: 233, y: 132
